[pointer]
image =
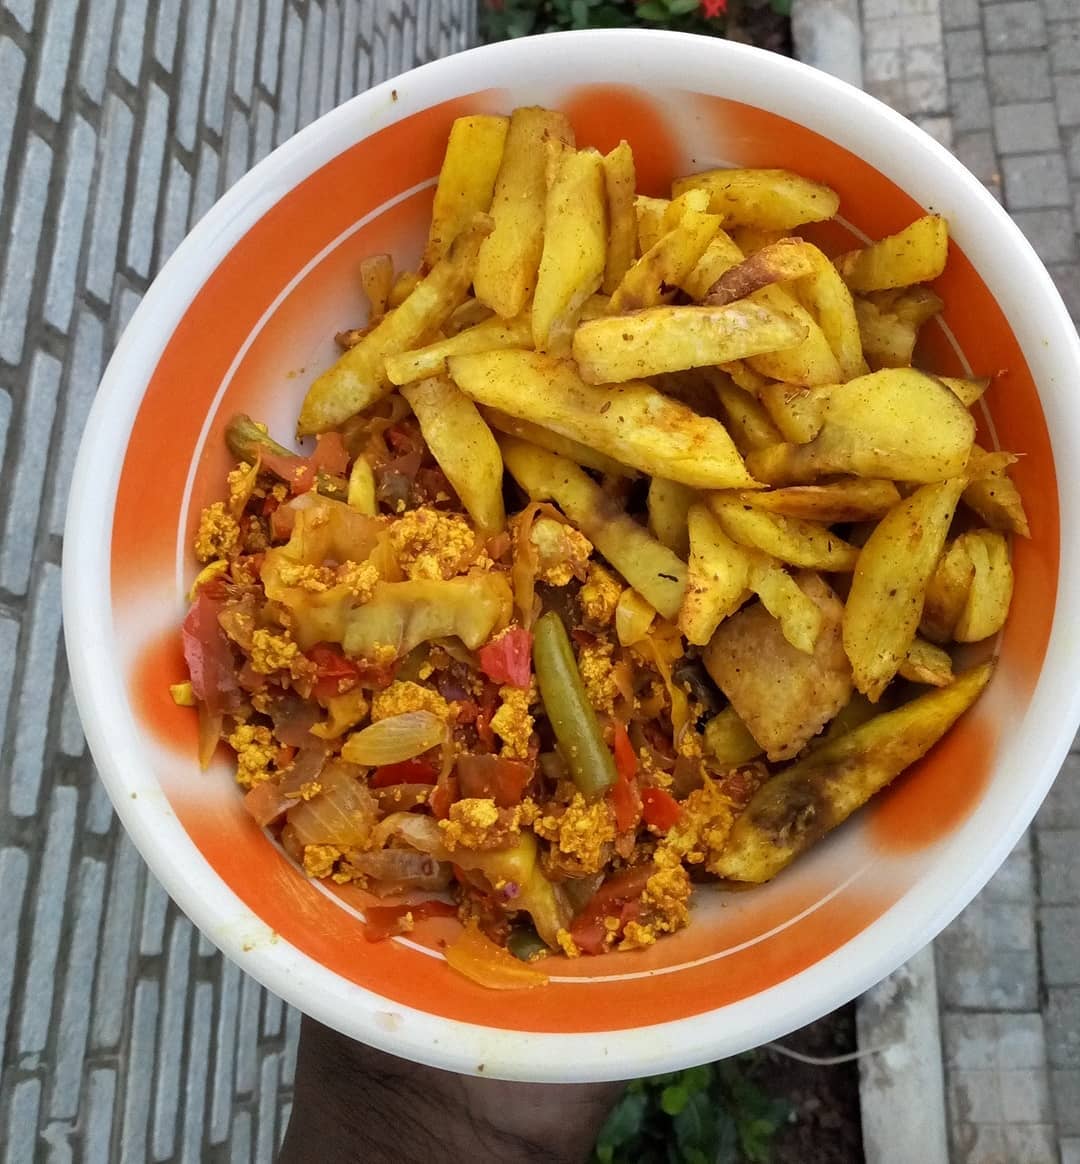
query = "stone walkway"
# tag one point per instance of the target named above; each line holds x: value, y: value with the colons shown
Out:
x: 999, y: 83
x: 123, y: 1034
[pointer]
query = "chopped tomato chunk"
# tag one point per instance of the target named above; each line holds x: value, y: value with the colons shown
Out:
x: 660, y: 809
x: 618, y: 897
x: 508, y: 659
x: 405, y: 772
x: 492, y: 777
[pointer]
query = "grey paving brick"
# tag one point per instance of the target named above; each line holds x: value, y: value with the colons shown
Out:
x: 1059, y: 9
x: 284, y: 1115
x: 206, y: 183
x: 22, y: 1126
x: 67, y: 228
x: 94, y: 54
x: 19, y: 269
x: 111, y: 987
x: 245, y: 52
x: 173, y: 224
x: 228, y: 1009
x: 270, y: 43
x: 191, y: 71
x: 199, y: 1044
x: 1071, y: 142
x: 1062, y: 1013
x: 48, y: 918
x: 969, y: 103
x: 263, y: 141
x: 155, y: 909
x: 1018, y: 24
x: 32, y: 709
x: 237, y: 144
x: 1018, y: 76
x: 247, y: 1038
x: 71, y: 1035
x: 292, y: 1040
x: 171, y: 1040
x: 307, y: 109
x: 109, y: 198
x: 71, y: 740
x: 12, y: 66
x: 1070, y: 1150
x: 101, y: 1098
x: 1026, y: 129
x: 939, y: 128
x: 1035, y: 181
x: 1065, y: 1088
x: 99, y: 810
x: 217, y: 67
x: 129, y: 40
x: 14, y: 865
x: 959, y: 13
x: 350, y: 21
x: 167, y: 18
x: 148, y: 173
x: 240, y: 1137
x: 289, y: 93
x: 976, y: 151
x: 1067, y: 95
x: 1066, y: 278
x: 139, y: 1081
x: 1060, y: 878
x: 1051, y: 232
x: 127, y: 301
x: 23, y: 11
x: 266, y: 1139
x: 988, y: 958
x: 55, y: 54
x: 205, y: 948
x: 331, y: 34
x: 1059, y: 941
x: 1064, y: 36
x: 273, y: 1015
x: 1014, y: 882
x: 965, y: 54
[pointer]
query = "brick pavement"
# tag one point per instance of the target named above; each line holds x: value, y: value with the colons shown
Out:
x: 1009, y: 966
x: 123, y: 1034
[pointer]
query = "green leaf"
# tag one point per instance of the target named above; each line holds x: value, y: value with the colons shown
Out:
x: 782, y: 7
x: 622, y: 1126
x: 579, y: 13
x: 652, y: 10
x: 695, y: 1125
x: 673, y: 1100
x: 682, y: 7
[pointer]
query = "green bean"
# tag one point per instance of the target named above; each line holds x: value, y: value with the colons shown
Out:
x: 591, y: 764
x: 244, y: 437
x: 526, y: 944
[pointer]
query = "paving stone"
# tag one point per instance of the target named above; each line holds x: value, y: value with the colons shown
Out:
x: 939, y: 128
x: 1065, y: 1089
x: 969, y: 103
x: 9, y: 639
x: 148, y: 173
x: 109, y: 198
x: 139, y: 1081
x: 240, y: 1135
x: 96, y: 42
x: 266, y: 1137
x: 247, y: 1053
x: 12, y: 66
x: 23, y: 11
x: 1062, y: 1013
x: 1071, y: 139
x: 18, y: 281
x: 173, y: 1016
x: 1018, y: 76
x: 1059, y: 9
x: 71, y: 738
x: 309, y: 69
x: 263, y: 141
x: 23, y: 1121
x: 1059, y: 942
x: 173, y: 224
x: 1051, y: 232
x: 67, y: 227
x: 1025, y: 129
x: 53, y: 62
x: 350, y: 22
x: 129, y: 40
x: 245, y: 52
x: 237, y: 143
x: 1067, y: 94
x: 1060, y: 873
x: 976, y: 151
x: 289, y: 93
x: 228, y: 1006
x: 111, y: 988
x: 101, y: 1098
x: 1064, y: 36
x: 1034, y: 181
x: 217, y: 68
x: 14, y: 865
x: 270, y: 43
x: 1070, y: 1151
x: 206, y: 183
x: 965, y: 54
x: 199, y: 1038
x: 1067, y: 280
x: 191, y: 71
x: 1015, y: 25
x: 988, y: 957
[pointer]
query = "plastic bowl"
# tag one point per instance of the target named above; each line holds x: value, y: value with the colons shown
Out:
x: 243, y: 316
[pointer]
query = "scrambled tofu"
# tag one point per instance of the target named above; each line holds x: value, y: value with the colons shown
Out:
x: 567, y: 944
x: 562, y: 552
x: 434, y: 545
x: 255, y: 754
x: 665, y: 907
x: 360, y: 578
x: 598, y: 675
x: 582, y: 832
x: 313, y: 579
x: 218, y: 535
x: 709, y: 813
x: 479, y: 823
x: 512, y: 723
x: 319, y: 860
x: 241, y: 482
x: 402, y: 696
x: 272, y: 652
x: 600, y: 595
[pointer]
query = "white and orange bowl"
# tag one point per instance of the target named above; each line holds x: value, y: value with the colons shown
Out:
x: 243, y: 316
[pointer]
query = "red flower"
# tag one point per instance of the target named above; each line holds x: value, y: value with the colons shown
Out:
x: 713, y: 9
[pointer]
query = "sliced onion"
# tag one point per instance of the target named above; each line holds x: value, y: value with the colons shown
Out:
x: 633, y: 617
x: 401, y: 797
x: 396, y: 738
x: 398, y: 870
x: 293, y: 720
x: 268, y: 800
x: 343, y: 814
x: 418, y: 832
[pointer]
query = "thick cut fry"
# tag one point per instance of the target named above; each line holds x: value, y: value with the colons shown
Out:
x: 573, y: 450
x: 358, y: 379
x: 811, y: 362
x: 967, y: 391
x: 720, y: 255
x: 914, y: 305
x: 575, y: 244
x: 469, y: 314
x: 404, y: 285
x: 668, y: 504
x: 750, y: 239
x: 887, y: 341
x: 474, y: 152
x: 990, y: 593
x: 727, y: 741
x: 927, y: 664
x: 463, y: 446
x: 620, y: 182
x: 510, y: 257
x: 665, y: 264
x: 853, y: 499
x: 633, y: 617
x: 765, y: 199
x: 798, y: 806
x: 491, y: 335
x: 717, y: 578
x: 747, y: 420
x: 994, y: 497
x: 789, y: 539
x: 745, y: 377
x: 915, y: 254
x: 692, y: 202
x: 798, y: 413
x: 649, y: 219
x: 897, y: 424
x: 825, y: 295
x: 631, y: 422
x: 784, y: 696
x: 775, y: 263
x: 947, y: 592
x: 669, y: 339
x: 657, y: 574
x: 888, y: 589
x: 377, y: 279
x: 799, y: 616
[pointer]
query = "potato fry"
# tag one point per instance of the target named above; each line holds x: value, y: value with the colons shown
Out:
x: 745, y: 377
x: 377, y: 279
x: 657, y: 574
x: 575, y: 245
x: 720, y: 256
x: 764, y: 199
x: 947, y: 592
x: 491, y: 335
x: 798, y: 413
x: 631, y: 422
x: 669, y: 339
x: 798, y: 806
x: 915, y: 305
x: 967, y: 391
x: 810, y: 363
x: 825, y: 295
x: 358, y: 379
x: 469, y: 314
x: 790, y: 539
x: 981, y: 463
x: 510, y: 257
x: 784, y: 696
x: 668, y: 504
x: 927, y: 664
x: 896, y: 424
x: 750, y: 239
x: 620, y: 182
x: 889, y: 587
x: 727, y: 741
x: 775, y: 263
x: 692, y: 202
x: 649, y: 219
x: 857, y: 711
x: 717, y: 577
x: 852, y: 499
x: 474, y: 153
x: 361, y: 494
x: 404, y: 285
x: 572, y: 450
x: 993, y: 495
x: 887, y: 341
x: 990, y: 593
x: 799, y: 616
x: 463, y: 446
x: 747, y: 420
x: 915, y: 254
x: 665, y: 264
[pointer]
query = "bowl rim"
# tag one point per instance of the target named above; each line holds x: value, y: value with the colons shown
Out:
x: 682, y: 61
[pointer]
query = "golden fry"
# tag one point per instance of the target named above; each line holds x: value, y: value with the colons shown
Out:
x: 491, y: 335
x: 377, y: 279
x: 915, y: 254
x: 851, y: 499
x: 808, y: 544
x: 668, y: 504
x: 717, y: 578
x: 925, y: 663
x: 765, y: 199
x: 665, y: 264
x: 620, y: 182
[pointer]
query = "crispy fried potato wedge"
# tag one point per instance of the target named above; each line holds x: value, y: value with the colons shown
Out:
x: 377, y: 279
x: 649, y: 217
x: 665, y: 264
x: 990, y: 593
x: 633, y: 422
x: 656, y: 573
x: 967, y: 391
x: 573, y: 450
x: 670, y: 339
x: 794, y: 540
x: 887, y: 341
x: 717, y: 578
x: 575, y: 248
x: 745, y: 377
x: 750, y: 239
x: 798, y: 806
x: 720, y: 255
x: 798, y: 413
x: 852, y: 499
x: 358, y: 379
x: 915, y: 254
x: 620, y: 182
x: 747, y: 420
x: 464, y: 447
x: 810, y: 363
x: 897, y: 424
x: 996, y: 499
x: 491, y: 335
x: 947, y: 592
x: 510, y: 257
x: 668, y: 504
x: 926, y: 663
x: 800, y: 618
x: 405, y: 284
x: 825, y: 295
x: 775, y: 263
x: 888, y: 589
x: 727, y: 741
x: 474, y: 153
x: 914, y: 305
x: 784, y: 696
x: 469, y: 314
x: 764, y: 199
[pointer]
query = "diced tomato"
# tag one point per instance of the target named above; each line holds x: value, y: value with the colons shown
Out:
x: 626, y: 760
x: 624, y: 796
x: 330, y: 454
x: 336, y: 672
x: 660, y: 809
x: 446, y: 792
x: 618, y: 897
x: 209, y: 655
x: 384, y: 921
x: 299, y: 473
x: 508, y: 659
x: 492, y: 777
x: 405, y: 772
x: 466, y: 711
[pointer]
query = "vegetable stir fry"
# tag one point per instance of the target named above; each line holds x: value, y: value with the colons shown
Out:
x: 626, y: 554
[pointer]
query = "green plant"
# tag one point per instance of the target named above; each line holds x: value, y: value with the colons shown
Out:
x: 716, y: 1114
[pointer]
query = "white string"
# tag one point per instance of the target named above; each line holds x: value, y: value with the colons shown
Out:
x: 832, y: 1060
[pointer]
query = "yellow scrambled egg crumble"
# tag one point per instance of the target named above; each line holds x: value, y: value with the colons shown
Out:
x: 431, y: 544
x: 598, y: 675
x: 272, y: 652
x: 218, y: 535
x: 582, y: 831
x: 255, y: 753
x: 600, y: 595
x: 512, y: 723
x: 402, y: 696
x: 567, y: 944
x: 562, y: 552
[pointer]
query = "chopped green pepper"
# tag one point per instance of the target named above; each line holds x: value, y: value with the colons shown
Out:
x: 244, y: 438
